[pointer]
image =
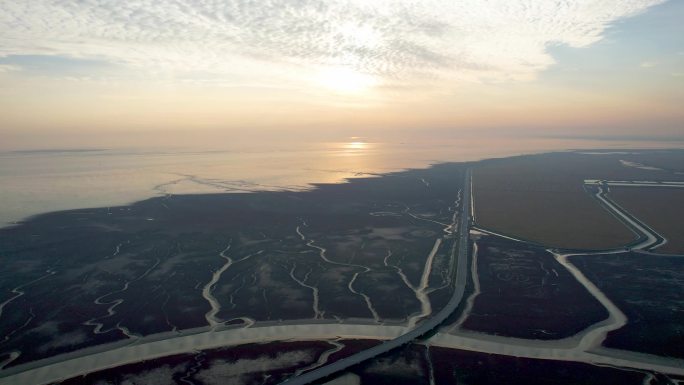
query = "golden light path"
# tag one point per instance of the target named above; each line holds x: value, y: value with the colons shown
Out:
x: 356, y: 145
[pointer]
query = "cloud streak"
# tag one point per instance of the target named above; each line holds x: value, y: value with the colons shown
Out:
x: 397, y: 41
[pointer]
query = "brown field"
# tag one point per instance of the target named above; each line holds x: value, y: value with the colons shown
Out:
x: 660, y: 208
x: 541, y: 198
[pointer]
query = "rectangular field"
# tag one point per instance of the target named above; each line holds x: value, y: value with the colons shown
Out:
x: 525, y: 293
x: 648, y: 289
x: 541, y: 198
x: 660, y: 208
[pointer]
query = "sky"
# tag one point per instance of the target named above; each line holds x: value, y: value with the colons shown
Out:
x: 105, y: 73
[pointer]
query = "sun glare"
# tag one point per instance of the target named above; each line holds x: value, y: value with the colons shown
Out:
x: 346, y: 80
x: 355, y: 145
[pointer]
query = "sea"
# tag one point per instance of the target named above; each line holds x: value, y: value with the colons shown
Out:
x: 37, y: 181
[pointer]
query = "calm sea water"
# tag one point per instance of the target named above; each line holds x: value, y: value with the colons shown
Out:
x: 34, y: 182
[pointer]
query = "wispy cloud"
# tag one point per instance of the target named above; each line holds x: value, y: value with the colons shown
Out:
x: 393, y: 40
x: 9, y: 67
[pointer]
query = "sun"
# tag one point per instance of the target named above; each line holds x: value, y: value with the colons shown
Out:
x: 346, y: 80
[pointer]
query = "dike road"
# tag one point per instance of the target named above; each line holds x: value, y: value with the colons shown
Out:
x: 424, y: 327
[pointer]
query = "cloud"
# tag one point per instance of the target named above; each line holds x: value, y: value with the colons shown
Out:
x: 9, y: 68
x: 41, y: 64
x: 397, y: 41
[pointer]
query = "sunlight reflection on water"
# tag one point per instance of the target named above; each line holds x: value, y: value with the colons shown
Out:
x: 356, y: 145
x: 33, y: 182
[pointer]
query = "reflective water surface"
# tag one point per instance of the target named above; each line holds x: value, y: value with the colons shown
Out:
x: 34, y: 182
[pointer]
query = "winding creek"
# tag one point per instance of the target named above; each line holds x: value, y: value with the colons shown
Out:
x: 583, y: 347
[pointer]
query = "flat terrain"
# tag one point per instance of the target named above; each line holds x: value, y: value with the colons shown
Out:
x: 660, y: 208
x: 541, y: 198
x: 247, y: 364
x: 526, y: 293
x: 227, y: 285
x: 459, y: 367
x: 414, y: 364
x: 79, y: 278
x: 648, y: 289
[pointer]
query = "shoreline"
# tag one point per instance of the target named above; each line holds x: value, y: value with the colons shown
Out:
x: 111, y: 194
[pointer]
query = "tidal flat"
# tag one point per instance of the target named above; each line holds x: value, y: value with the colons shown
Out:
x: 648, y: 289
x: 178, y: 279
x: 358, y: 250
x: 525, y: 293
